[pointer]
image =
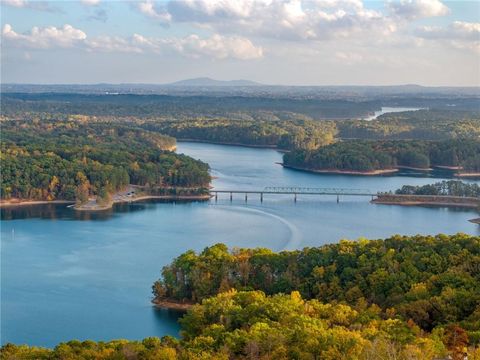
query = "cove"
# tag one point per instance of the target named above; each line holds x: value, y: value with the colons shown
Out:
x: 66, y: 275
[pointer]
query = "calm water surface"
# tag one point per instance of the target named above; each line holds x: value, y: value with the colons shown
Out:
x: 88, y: 276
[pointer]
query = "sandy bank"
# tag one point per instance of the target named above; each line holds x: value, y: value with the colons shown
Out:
x: 172, y: 304
x: 468, y: 175
x: 413, y: 168
x: 18, y: 202
x: 342, y: 172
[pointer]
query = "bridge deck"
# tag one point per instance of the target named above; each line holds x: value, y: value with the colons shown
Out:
x: 298, y: 191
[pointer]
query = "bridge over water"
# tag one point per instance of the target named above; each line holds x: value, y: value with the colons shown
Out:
x: 295, y: 191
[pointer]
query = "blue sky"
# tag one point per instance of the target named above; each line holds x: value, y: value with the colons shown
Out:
x: 294, y: 42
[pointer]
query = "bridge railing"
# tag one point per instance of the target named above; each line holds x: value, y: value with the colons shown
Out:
x: 314, y: 190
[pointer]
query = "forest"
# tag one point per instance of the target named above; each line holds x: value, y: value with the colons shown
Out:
x: 75, y: 159
x: 174, y: 106
x: 447, y: 188
x: 405, y: 298
x: 430, y: 280
x: 284, y: 134
x: 421, y: 125
x: 369, y: 155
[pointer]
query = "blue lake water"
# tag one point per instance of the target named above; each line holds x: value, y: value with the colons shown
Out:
x: 68, y: 275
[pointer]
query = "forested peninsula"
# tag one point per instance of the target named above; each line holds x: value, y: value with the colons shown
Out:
x: 399, y: 298
x: 373, y: 156
x: 77, y: 160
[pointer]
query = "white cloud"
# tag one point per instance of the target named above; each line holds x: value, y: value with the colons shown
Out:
x: 44, y: 38
x: 35, y: 5
x: 15, y: 3
x: 459, y: 34
x: 416, y: 9
x: 111, y: 44
x: 215, y: 46
x: 90, y: 2
x: 219, y: 47
x: 148, y: 8
x: 280, y: 19
x: 348, y: 58
x: 458, y: 30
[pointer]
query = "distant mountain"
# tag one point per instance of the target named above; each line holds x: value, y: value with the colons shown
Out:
x: 207, y: 82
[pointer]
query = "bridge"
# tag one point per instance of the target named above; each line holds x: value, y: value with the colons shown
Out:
x: 295, y: 191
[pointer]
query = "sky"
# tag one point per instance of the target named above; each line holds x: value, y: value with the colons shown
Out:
x: 279, y: 42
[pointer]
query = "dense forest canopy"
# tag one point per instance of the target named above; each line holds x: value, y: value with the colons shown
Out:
x: 349, y: 104
x: 73, y: 159
x: 431, y: 280
x: 422, y: 125
x: 367, y: 155
x: 250, y: 325
x: 284, y: 134
x: 448, y: 188
x: 173, y: 106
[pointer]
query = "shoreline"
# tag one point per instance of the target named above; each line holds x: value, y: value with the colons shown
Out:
x: 274, y: 147
x: 373, y: 172
x: 427, y: 200
x: 402, y: 167
x: 342, y: 172
x: 97, y: 207
x: 171, y: 304
x: 467, y: 175
x: 475, y: 221
x: 34, y: 202
x: 425, y: 203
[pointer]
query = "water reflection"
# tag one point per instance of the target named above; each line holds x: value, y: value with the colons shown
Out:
x: 163, y: 316
x: 63, y: 212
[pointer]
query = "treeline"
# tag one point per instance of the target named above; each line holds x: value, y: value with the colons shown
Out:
x: 448, y: 188
x: 250, y: 325
x: 284, y: 134
x: 431, y: 281
x: 213, y: 106
x: 420, y: 125
x: 365, y: 155
x: 74, y: 159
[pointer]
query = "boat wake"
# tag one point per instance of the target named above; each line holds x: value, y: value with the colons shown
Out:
x: 295, y: 238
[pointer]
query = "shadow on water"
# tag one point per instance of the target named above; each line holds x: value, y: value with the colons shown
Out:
x: 62, y: 212
x: 167, y: 317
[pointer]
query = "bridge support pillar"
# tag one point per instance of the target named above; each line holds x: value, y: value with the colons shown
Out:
x: 216, y: 197
x: 338, y: 199
x: 295, y: 197
x: 246, y: 197
x: 261, y: 197
x: 231, y: 197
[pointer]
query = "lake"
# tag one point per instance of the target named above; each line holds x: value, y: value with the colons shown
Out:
x: 386, y: 110
x: 68, y: 275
